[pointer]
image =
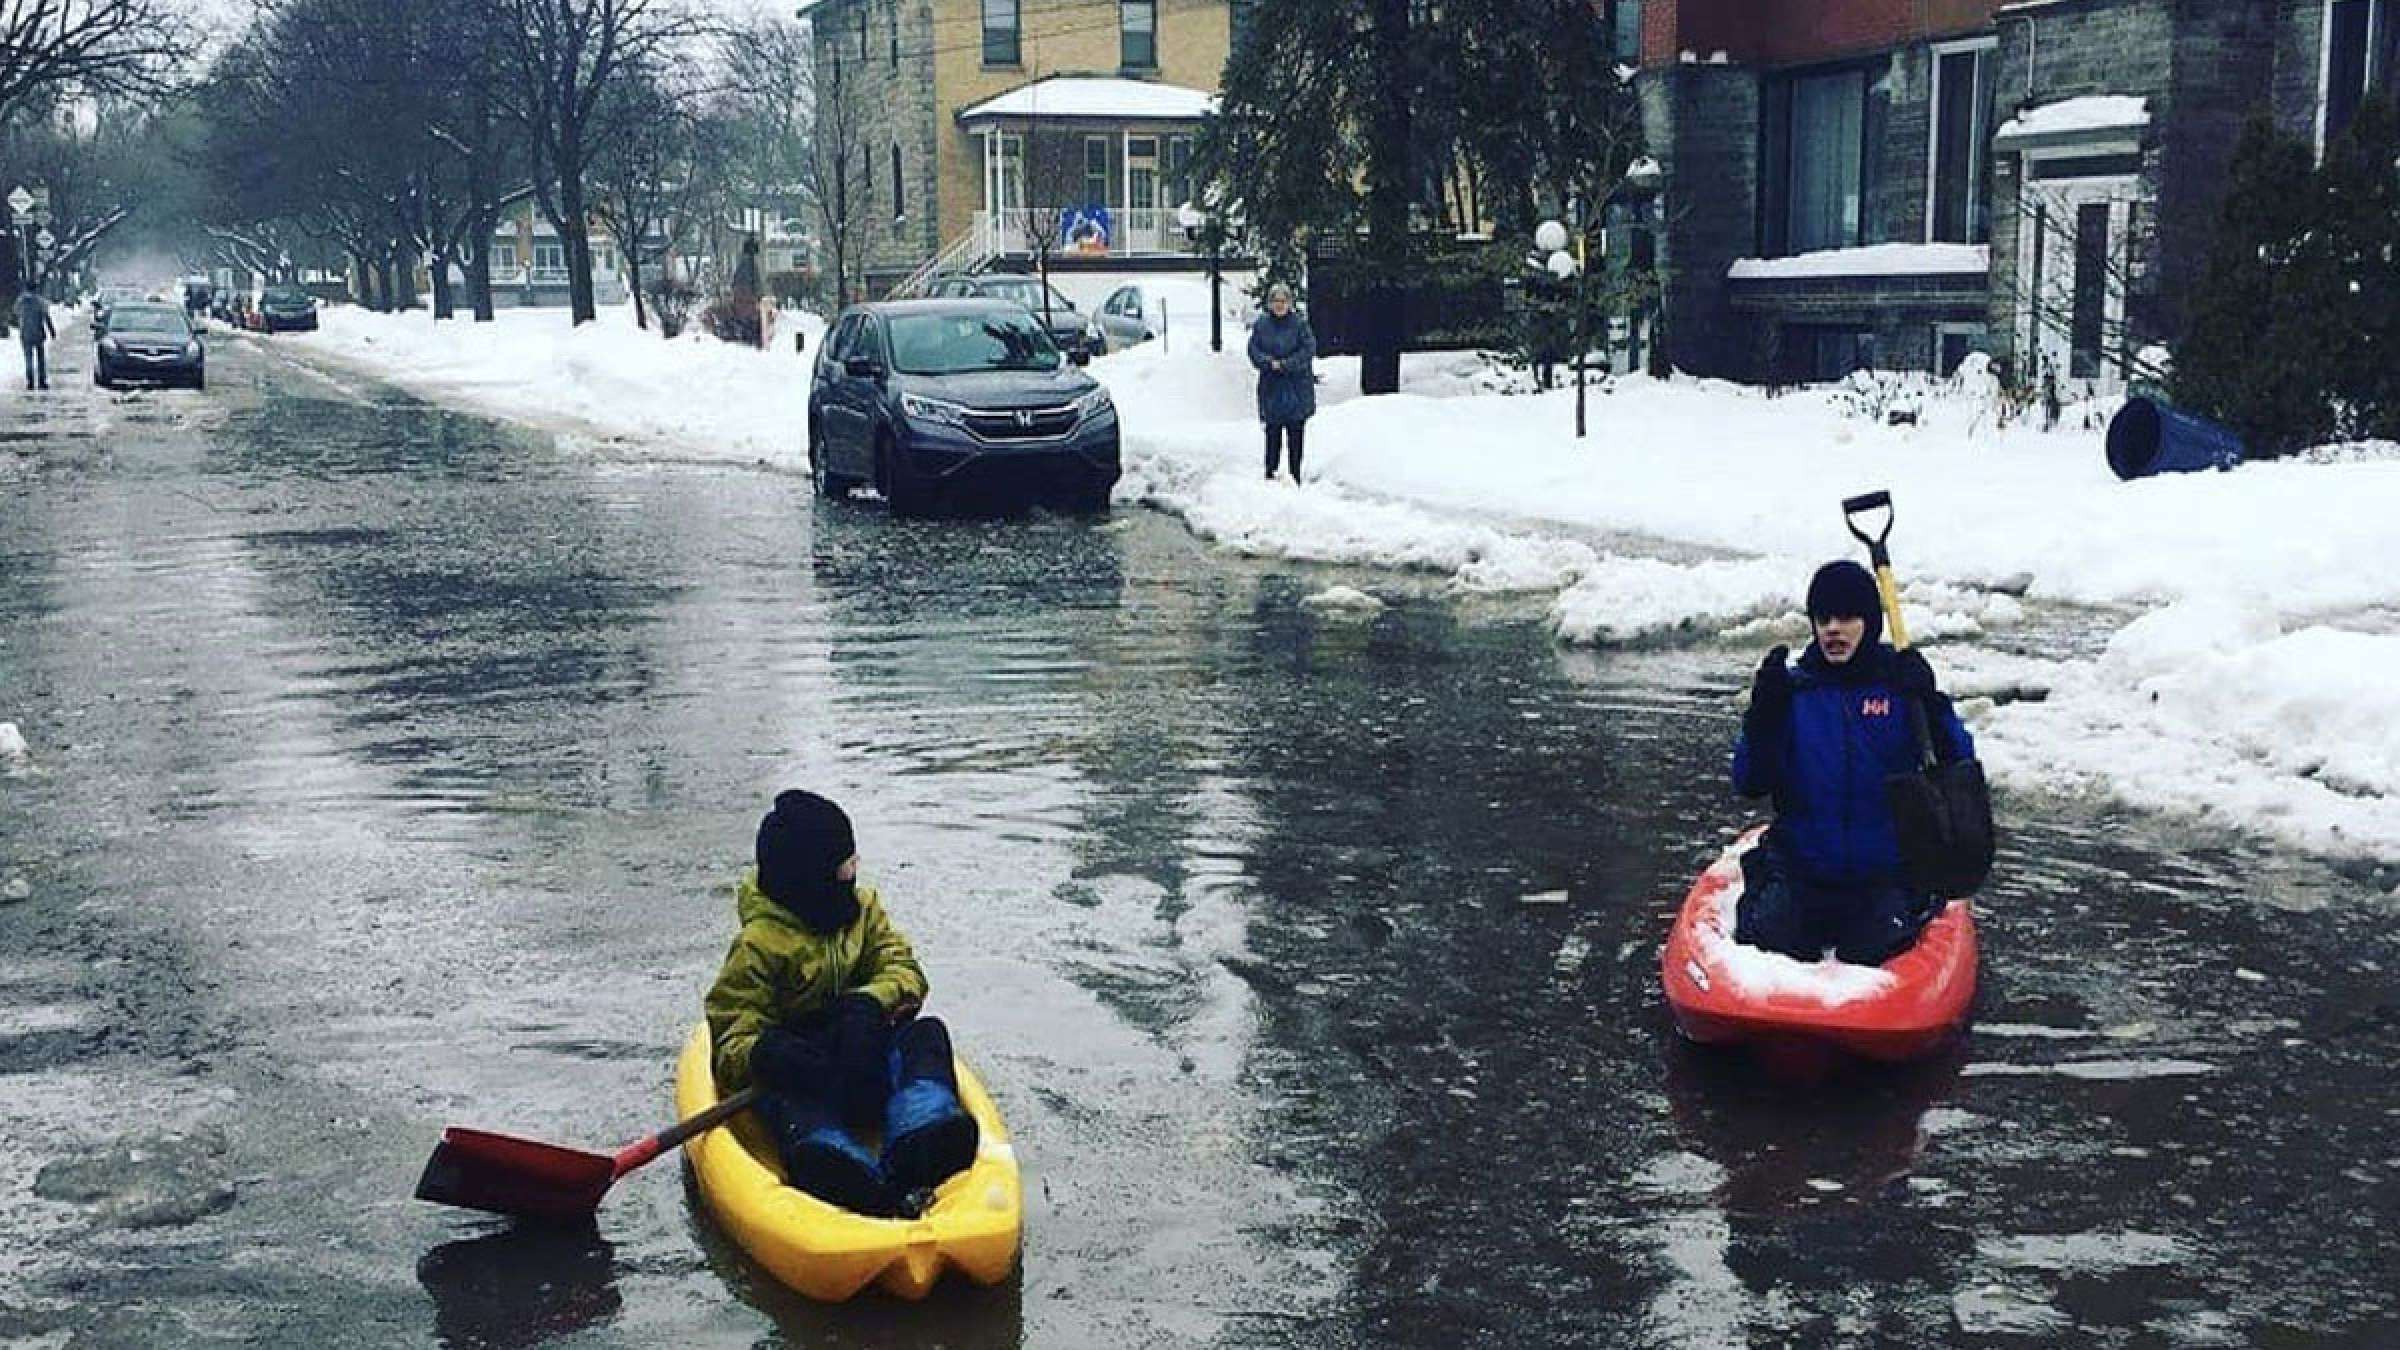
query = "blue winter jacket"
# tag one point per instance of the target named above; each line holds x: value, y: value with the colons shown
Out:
x: 1849, y: 730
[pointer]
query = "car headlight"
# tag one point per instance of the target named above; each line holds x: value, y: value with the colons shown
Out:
x: 108, y: 344
x: 924, y: 409
x: 1093, y: 404
x: 192, y: 348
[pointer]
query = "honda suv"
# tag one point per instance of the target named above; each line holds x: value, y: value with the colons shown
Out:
x: 929, y: 398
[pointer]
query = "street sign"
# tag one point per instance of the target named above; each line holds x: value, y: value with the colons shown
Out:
x: 20, y: 201
x: 45, y: 239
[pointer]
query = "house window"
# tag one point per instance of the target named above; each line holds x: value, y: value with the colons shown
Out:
x: 899, y: 198
x: 1818, y: 177
x: 549, y: 258
x: 504, y: 257
x: 2091, y: 290
x: 1625, y: 30
x: 1097, y: 180
x: 2359, y: 51
x: 1000, y: 19
x: 1962, y: 100
x: 1137, y: 23
x: 1179, y: 170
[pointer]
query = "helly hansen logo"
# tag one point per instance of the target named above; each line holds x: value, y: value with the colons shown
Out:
x: 1876, y: 707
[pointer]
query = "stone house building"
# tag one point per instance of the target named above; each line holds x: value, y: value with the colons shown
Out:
x: 977, y: 119
x: 1896, y: 183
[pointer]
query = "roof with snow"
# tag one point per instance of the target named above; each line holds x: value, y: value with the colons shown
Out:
x: 1095, y: 96
x: 1874, y: 260
x: 2095, y: 117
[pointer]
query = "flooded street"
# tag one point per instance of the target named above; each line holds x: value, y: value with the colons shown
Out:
x: 389, y: 768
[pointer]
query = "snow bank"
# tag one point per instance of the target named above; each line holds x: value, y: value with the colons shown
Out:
x: 1871, y: 260
x: 693, y: 397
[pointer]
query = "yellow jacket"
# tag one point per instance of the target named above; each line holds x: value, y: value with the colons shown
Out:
x: 778, y: 969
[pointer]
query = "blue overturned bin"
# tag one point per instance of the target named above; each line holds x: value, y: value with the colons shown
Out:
x: 2147, y: 437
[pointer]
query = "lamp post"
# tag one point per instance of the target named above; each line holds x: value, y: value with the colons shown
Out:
x: 1550, y: 243
x: 1208, y: 230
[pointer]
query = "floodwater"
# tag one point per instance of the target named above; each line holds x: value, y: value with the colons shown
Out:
x: 389, y: 767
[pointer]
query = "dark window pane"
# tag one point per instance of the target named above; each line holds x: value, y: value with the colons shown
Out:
x: 1138, y: 21
x: 1000, y: 32
x: 1775, y: 153
x: 2346, y: 64
x: 1828, y: 121
x: 1954, y: 150
x: 1097, y: 180
x: 1625, y: 23
x: 2091, y: 288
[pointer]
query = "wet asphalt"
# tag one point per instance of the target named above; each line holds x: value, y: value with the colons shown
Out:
x: 389, y: 766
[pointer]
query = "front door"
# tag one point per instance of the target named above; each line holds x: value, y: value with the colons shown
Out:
x: 1141, y: 192
x: 2073, y: 268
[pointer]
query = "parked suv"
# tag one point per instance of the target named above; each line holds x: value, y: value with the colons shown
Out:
x: 282, y: 307
x: 1075, y: 333
x: 928, y: 398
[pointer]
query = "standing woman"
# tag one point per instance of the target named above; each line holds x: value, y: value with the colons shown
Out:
x: 1285, y: 353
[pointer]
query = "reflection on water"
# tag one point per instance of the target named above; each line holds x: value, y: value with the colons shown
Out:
x: 520, y: 1286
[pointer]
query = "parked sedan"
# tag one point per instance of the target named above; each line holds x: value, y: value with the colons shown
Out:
x: 1070, y: 331
x: 929, y: 398
x: 286, y: 307
x: 152, y: 343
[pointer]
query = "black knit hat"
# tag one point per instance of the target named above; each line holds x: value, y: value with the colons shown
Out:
x: 801, y: 844
x: 1844, y: 590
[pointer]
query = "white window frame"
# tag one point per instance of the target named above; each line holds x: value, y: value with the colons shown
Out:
x: 2120, y: 192
x: 2377, y: 16
x: 1978, y: 130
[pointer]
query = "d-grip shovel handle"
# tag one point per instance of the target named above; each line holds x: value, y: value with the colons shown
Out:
x: 1851, y: 506
x: 634, y: 1155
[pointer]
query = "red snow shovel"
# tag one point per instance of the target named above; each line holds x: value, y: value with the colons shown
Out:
x: 500, y: 1173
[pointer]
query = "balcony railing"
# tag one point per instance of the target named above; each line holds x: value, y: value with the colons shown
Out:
x: 1132, y: 232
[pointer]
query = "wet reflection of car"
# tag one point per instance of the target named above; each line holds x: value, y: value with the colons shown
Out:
x: 150, y: 343
x: 935, y: 399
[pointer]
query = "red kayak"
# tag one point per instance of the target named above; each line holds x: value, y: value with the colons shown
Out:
x: 1803, y: 1014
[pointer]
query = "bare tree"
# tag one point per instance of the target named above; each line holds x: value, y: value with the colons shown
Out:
x: 837, y: 177
x: 1053, y: 178
x: 90, y: 47
x: 2050, y: 301
x: 648, y: 175
x: 560, y: 57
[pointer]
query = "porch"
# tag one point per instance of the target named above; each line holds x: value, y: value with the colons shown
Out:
x: 1092, y: 168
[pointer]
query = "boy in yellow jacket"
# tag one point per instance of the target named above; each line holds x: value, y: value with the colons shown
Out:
x: 817, y: 1003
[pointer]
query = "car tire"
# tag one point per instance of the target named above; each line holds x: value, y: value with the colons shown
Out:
x: 828, y: 484
x: 100, y: 377
x: 1088, y: 500
x: 200, y: 380
x: 901, y: 491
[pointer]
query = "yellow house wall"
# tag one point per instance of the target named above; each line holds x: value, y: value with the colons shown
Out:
x: 1194, y: 37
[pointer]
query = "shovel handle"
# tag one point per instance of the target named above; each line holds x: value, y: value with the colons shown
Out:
x: 634, y: 1155
x: 1851, y: 506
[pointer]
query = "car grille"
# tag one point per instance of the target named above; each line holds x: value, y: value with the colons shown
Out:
x: 1021, y: 424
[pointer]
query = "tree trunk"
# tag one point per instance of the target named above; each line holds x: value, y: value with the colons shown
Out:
x: 386, y: 284
x: 1390, y: 185
x: 404, y: 272
x: 575, y: 231
x: 442, y: 304
x: 633, y: 282
x: 479, y: 268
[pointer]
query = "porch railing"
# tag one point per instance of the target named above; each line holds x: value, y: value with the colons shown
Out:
x: 1132, y: 232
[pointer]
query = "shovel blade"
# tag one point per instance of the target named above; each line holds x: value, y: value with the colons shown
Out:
x: 502, y: 1174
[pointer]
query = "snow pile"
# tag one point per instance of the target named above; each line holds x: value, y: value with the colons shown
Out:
x: 693, y: 397
x: 1635, y: 599
x: 16, y: 758
x: 2073, y: 116
x: 1871, y: 260
x: 1343, y: 600
x: 1827, y: 981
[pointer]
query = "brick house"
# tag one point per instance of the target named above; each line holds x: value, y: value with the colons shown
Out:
x: 1896, y: 183
x: 964, y: 107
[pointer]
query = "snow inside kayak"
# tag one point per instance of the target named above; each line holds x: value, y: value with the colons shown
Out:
x: 1724, y: 993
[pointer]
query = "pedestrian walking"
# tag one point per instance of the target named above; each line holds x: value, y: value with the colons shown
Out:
x: 33, y: 331
x: 1284, y: 351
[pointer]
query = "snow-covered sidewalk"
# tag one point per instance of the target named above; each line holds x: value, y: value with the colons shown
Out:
x: 2260, y: 609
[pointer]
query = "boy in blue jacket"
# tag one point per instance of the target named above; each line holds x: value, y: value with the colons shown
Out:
x: 1821, y: 737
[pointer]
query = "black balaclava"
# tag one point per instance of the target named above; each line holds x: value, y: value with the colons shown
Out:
x: 801, y: 844
x: 1844, y: 590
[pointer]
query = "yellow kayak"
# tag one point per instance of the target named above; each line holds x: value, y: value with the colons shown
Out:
x: 829, y: 1253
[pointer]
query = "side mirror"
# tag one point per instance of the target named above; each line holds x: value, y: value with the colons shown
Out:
x: 862, y: 368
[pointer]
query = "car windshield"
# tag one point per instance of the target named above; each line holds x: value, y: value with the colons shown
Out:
x: 954, y: 344
x: 1027, y: 292
x: 147, y: 319
x: 283, y: 296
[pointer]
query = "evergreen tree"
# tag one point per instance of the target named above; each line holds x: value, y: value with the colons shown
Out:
x: 2247, y: 359
x: 2356, y: 253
